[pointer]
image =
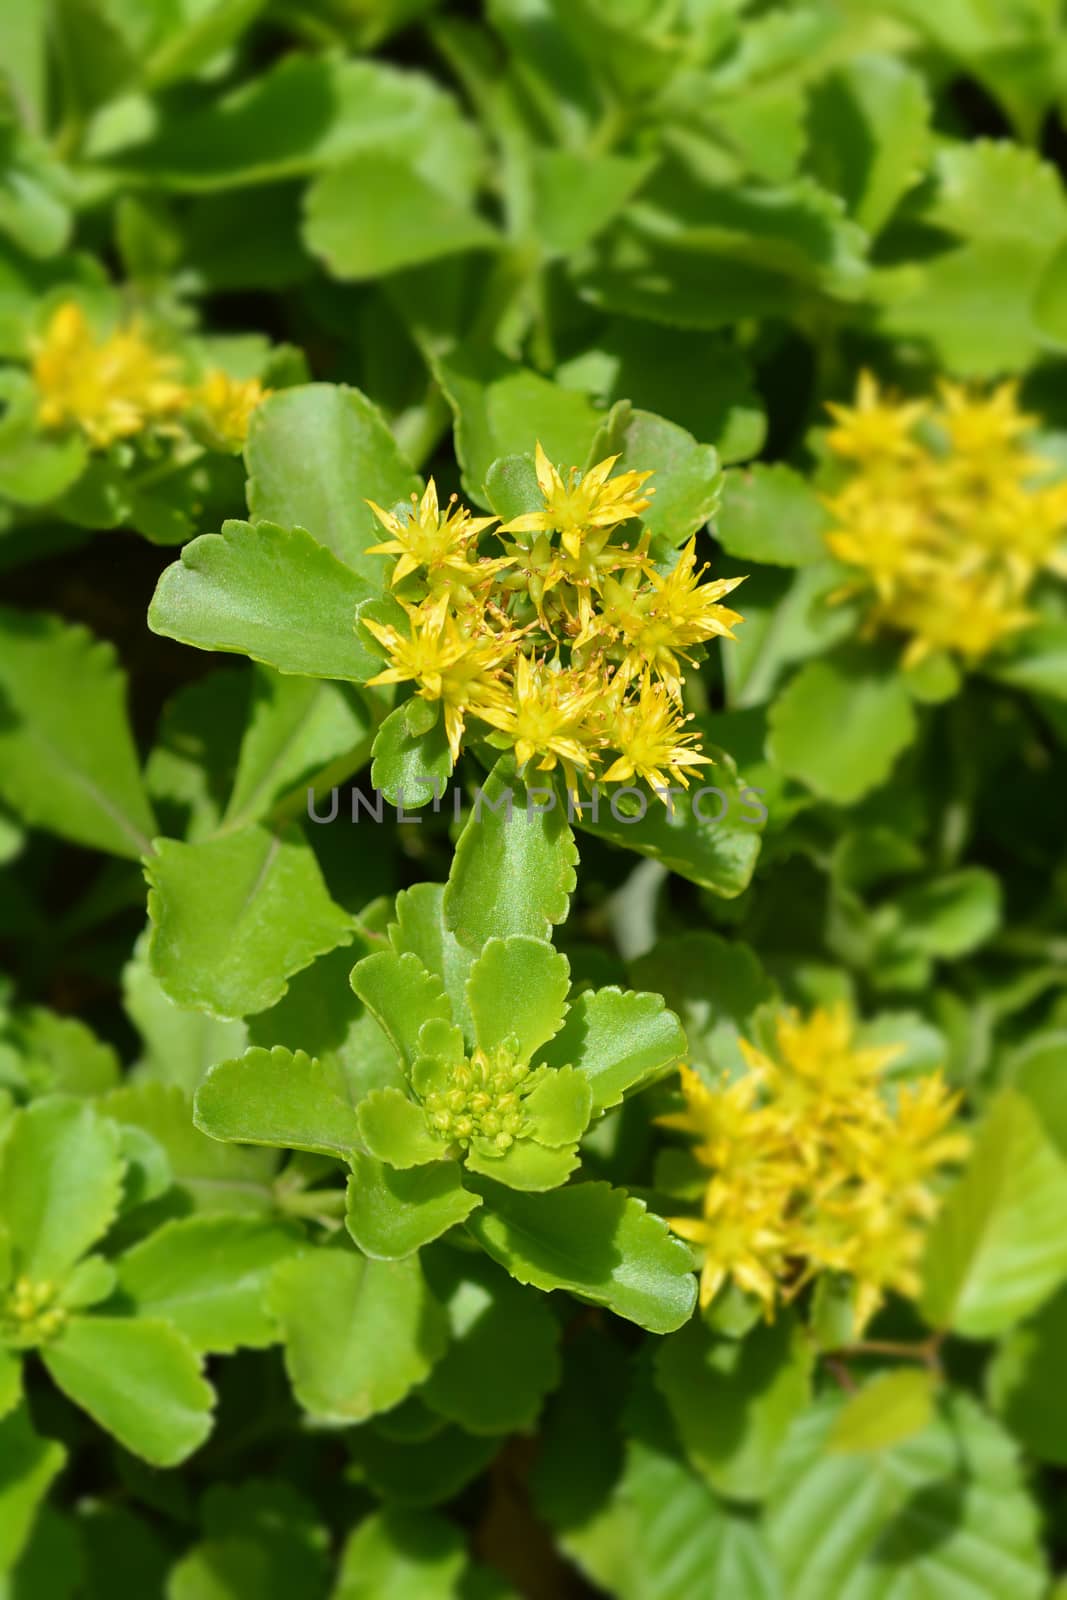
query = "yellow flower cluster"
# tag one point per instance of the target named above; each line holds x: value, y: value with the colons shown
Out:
x: 946, y: 515
x: 566, y: 642
x: 814, y: 1167
x: 114, y: 387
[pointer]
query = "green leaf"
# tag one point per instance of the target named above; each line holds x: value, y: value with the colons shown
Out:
x: 1024, y: 1386
x: 67, y: 757
x: 559, y: 1106
x: 685, y: 475
x: 503, y: 410
x: 10, y: 1384
x: 395, y: 1129
x: 526, y: 1165
x: 703, y: 382
x: 402, y: 1555
x: 948, y: 917
x: 28, y: 1464
x: 27, y: 1469
x: 655, y: 1531
x: 502, y: 1356
x: 889, y: 1409
x: 207, y: 1276
x: 375, y: 215
x: 392, y: 1213
x: 138, y: 1380
x: 234, y: 917
x: 972, y: 300
x: 60, y: 1185
x: 514, y: 867
x: 840, y: 725
x: 431, y: 1474
x: 278, y: 1097
x: 35, y: 467
x: 420, y: 929
x: 620, y: 1041
x: 997, y: 1249
x: 945, y: 1512
x: 180, y: 1044
x: 268, y: 592
x: 733, y: 1400
x: 316, y: 455
x: 770, y: 514
x: 869, y: 123
x: 714, y: 984
x: 595, y: 1241
x: 207, y: 1176
x: 518, y: 989
x: 308, y: 113
x: 359, y: 1335
x: 401, y: 994
x: 576, y: 194
x: 302, y: 734
x: 412, y: 762
x: 262, y: 1539
x: 1036, y: 660
x: 706, y: 835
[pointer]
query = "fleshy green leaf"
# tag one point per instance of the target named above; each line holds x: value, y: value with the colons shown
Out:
x: 503, y: 410
x: 278, y: 1097
x: 686, y: 475
x: 206, y: 1175
x: 139, y: 1380
x: 997, y: 1248
x: 29, y: 1465
x: 944, y: 1512
x: 595, y: 1241
x: 620, y: 1041
x: 525, y: 1165
x: 1023, y: 1382
x: 269, y: 592
x: 714, y: 984
x: 375, y: 215
x: 395, y: 1130
x: 67, y: 757
x: 60, y: 1185
x: 733, y: 1400
x: 180, y: 1044
x: 401, y: 994
x: 412, y: 761
x: 518, y: 989
x: 392, y: 1213
x: 402, y: 1555
x: 234, y: 917
x: 207, y: 1276
x: 316, y: 455
x: 502, y: 1357
x: 359, y: 1335
x: 840, y: 725
x: 770, y: 515
x: 869, y: 126
x: 513, y: 870
x: 885, y: 1412
x: 559, y: 1106
x: 302, y: 733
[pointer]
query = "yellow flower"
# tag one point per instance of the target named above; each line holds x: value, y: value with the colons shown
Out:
x: 225, y: 405
x: 813, y: 1166
x: 947, y: 532
x: 544, y: 716
x: 983, y: 426
x: 649, y: 735
x: 459, y: 666
x: 741, y: 1238
x: 874, y: 429
x: 438, y: 544
x: 581, y: 502
x: 110, y: 388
